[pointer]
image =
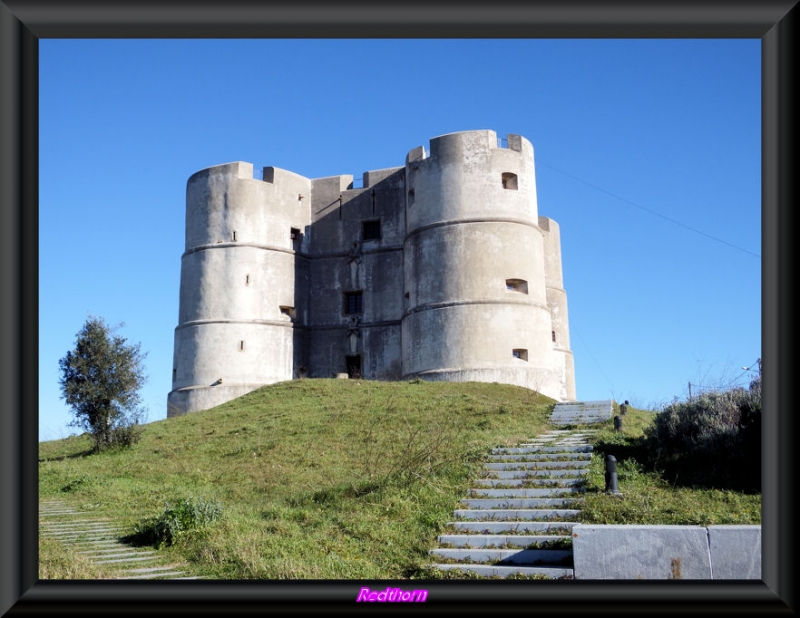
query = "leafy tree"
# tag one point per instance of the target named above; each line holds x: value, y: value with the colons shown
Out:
x: 100, y: 380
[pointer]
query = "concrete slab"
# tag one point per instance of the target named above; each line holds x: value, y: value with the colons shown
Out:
x: 640, y: 552
x: 505, y: 571
x: 735, y: 552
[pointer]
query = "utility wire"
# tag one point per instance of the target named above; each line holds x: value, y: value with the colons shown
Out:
x: 574, y: 330
x: 652, y: 212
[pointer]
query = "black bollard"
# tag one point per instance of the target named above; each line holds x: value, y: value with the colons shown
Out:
x: 611, y: 475
x: 617, y: 423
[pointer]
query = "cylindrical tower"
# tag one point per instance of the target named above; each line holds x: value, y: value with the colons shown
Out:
x: 557, y: 304
x: 476, y: 303
x: 238, y: 298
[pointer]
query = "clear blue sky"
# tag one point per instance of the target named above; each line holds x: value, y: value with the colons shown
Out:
x: 648, y: 155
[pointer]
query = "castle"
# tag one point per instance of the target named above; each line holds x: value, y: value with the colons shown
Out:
x: 440, y: 269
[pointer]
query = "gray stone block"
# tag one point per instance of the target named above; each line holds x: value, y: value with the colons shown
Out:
x: 735, y: 552
x: 640, y: 552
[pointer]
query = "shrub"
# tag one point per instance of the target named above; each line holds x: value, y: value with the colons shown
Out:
x: 713, y: 439
x: 185, y: 516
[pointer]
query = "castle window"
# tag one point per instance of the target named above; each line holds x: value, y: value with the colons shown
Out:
x: 241, y: 345
x: 247, y: 279
x: 553, y: 333
x: 410, y: 197
x: 353, y: 303
x: 287, y: 311
x: 233, y: 236
x: 520, y: 354
x: 517, y: 285
x: 371, y: 230
x: 509, y: 180
x: 174, y: 374
x: 294, y: 233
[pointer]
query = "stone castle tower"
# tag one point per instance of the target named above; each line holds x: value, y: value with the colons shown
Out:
x: 440, y: 269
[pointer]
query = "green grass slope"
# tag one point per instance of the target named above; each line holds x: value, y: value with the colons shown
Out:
x: 328, y: 479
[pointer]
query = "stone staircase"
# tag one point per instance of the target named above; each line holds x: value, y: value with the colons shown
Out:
x: 98, y: 540
x: 582, y: 412
x: 518, y: 518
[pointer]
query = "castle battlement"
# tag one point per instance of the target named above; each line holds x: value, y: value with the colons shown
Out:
x: 440, y: 269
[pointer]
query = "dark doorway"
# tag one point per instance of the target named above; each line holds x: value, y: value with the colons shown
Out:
x: 353, y: 366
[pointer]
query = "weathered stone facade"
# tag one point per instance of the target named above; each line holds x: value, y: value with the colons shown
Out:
x: 440, y: 269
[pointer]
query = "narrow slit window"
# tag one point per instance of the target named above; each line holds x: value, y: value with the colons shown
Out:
x: 241, y: 345
x: 410, y: 197
x: 520, y: 354
x: 233, y: 236
x: 353, y: 303
x: 288, y: 311
x: 247, y: 279
x: 509, y: 181
x: 294, y: 233
x: 371, y: 230
x: 517, y: 285
x: 553, y: 333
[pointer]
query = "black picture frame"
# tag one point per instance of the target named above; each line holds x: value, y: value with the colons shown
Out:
x: 23, y: 23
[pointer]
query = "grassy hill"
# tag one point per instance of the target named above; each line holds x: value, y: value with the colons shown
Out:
x: 339, y: 479
x: 315, y: 478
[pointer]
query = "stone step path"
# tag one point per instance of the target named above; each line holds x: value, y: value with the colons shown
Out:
x: 518, y: 518
x: 99, y: 540
x: 582, y: 412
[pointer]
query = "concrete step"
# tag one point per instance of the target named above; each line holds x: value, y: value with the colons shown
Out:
x: 168, y: 575
x: 534, y: 475
x: 515, y: 509
x: 533, y: 483
x: 526, y: 557
x: 538, y: 465
x: 152, y: 573
x: 515, y: 514
x: 507, y: 527
x: 534, y: 471
x: 543, y: 457
x: 518, y: 503
x: 98, y: 540
x: 121, y: 552
x: 68, y: 524
x: 499, y: 540
x: 567, y: 448
x: 525, y: 493
x: 130, y: 558
x: 584, y: 412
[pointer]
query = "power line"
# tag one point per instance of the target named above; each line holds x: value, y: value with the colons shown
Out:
x: 575, y: 330
x: 652, y: 212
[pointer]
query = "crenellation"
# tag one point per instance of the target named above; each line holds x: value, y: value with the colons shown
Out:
x: 439, y: 269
